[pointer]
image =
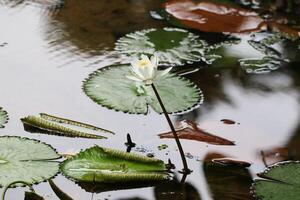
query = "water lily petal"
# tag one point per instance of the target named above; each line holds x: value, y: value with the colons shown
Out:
x: 163, y: 72
x: 144, y: 57
x: 134, y: 78
x: 154, y: 61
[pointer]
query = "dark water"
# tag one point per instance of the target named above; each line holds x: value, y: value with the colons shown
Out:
x: 49, y: 50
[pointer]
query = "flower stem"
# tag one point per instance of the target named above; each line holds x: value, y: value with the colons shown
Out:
x: 185, y: 170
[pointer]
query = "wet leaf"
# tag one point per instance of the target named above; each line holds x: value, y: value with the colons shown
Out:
x: 3, y: 117
x: 260, y: 65
x: 189, y: 130
x: 214, y: 17
x: 172, y: 46
x: 227, y: 121
x: 59, y: 193
x: 227, y: 182
x: 271, y: 61
x: 109, y: 87
x: 53, y: 125
x: 282, y: 181
x: 231, y: 162
x: 103, y: 165
x: 26, y: 160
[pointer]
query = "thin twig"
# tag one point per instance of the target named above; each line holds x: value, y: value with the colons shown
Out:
x: 185, y: 170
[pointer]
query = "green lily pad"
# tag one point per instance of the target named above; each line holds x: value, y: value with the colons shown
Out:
x: 271, y: 60
x: 3, y: 117
x: 26, y: 160
x: 103, y: 165
x: 172, y: 46
x: 109, y: 87
x: 282, y: 181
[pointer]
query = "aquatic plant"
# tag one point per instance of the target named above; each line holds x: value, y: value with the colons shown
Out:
x: 3, y: 117
x: 172, y: 46
x: 26, y: 160
x: 110, y: 88
x: 279, y: 181
x: 29, y: 195
x: 49, y: 124
x: 132, y: 89
x: 271, y: 60
x: 103, y: 165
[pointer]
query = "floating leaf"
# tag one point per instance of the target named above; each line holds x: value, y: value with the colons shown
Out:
x: 271, y: 61
x: 109, y: 87
x: 190, y: 131
x: 3, y: 117
x: 282, y: 181
x: 227, y: 182
x: 172, y: 46
x: 53, y: 125
x: 228, y: 121
x: 231, y: 162
x: 103, y: 165
x: 260, y: 65
x: 23, y: 159
x: 214, y: 17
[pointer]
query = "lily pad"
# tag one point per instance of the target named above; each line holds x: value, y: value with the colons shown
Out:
x: 3, y: 117
x: 282, y: 181
x: 271, y: 60
x: 109, y: 87
x: 214, y: 17
x: 172, y: 46
x: 103, y: 165
x: 26, y: 160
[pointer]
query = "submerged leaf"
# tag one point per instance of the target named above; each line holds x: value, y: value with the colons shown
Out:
x: 172, y: 46
x: 23, y: 159
x: 109, y: 87
x: 102, y: 165
x: 227, y: 182
x: 189, y: 130
x: 3, y: 117
x: 282, y: 181
x: 214, y: 17
x: 49, y: 124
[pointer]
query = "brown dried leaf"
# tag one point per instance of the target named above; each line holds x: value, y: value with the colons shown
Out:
x: 227, y: 121
x: 214, y: 17
x: 189, y: 130
x: 231, y: 162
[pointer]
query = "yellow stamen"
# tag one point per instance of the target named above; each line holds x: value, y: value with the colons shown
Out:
x: 143, y: 63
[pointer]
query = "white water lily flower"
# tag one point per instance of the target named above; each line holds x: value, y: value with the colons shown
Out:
x: 145, y: 69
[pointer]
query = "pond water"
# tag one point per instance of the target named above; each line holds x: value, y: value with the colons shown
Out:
x: 48, y: 49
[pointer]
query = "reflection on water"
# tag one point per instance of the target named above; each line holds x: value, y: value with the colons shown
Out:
x: 48, y: 45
